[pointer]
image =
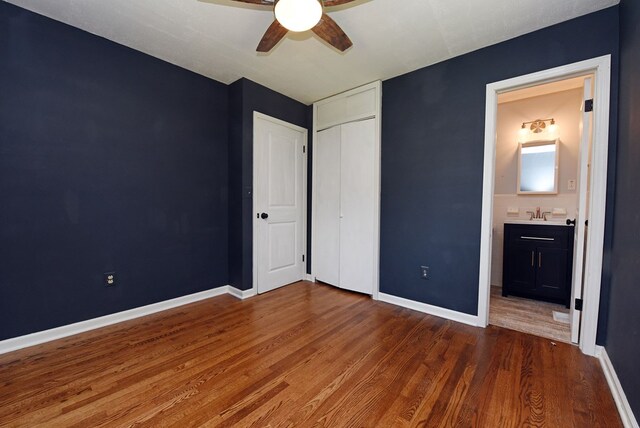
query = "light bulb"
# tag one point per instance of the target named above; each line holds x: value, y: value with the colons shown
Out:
x: 553, y: 128
x: 298, y: 15
x: 522, y: 133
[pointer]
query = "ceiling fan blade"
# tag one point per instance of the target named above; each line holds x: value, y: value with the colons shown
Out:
x: 271, y: 37
x: 263, y: 2
x: 330, y: 32
x: 329, y: 3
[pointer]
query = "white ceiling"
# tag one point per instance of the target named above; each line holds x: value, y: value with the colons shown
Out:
x: 217, y: 38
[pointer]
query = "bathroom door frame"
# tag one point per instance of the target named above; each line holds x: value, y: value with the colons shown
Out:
x: 600, y: 68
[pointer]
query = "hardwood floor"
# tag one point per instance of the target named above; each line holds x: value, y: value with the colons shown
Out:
x: 528, y: 316
x: 303, y: 355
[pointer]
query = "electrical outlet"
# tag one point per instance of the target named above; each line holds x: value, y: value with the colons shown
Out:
x: 424, y: 272
x: 109, y: 279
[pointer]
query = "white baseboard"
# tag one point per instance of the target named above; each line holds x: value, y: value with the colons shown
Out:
x: 429, y: 309
x: 39, y: 337
x: 309, y: 277
x: 626, y: 414
x: 242, y: 294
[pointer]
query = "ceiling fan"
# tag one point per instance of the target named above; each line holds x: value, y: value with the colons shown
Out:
x: 302, y: 15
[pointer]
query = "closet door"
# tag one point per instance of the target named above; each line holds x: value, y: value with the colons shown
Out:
x: 326, y: 222
x: 357, y: 205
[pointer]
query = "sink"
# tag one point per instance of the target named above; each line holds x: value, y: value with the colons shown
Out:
x: 540, y: 222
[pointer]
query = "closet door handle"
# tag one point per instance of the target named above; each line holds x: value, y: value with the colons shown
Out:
x: 532, y: 258
x: 264, y: 216
x: 539, y: 259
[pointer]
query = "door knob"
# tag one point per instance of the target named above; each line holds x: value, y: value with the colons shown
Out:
x: 264, y: 216
x: 571, y: 222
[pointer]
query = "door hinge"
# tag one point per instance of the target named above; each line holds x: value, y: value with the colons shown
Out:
x: 588, y: 105
x: 304, y: 149
x: 303, y: 254
x: 578, y: 305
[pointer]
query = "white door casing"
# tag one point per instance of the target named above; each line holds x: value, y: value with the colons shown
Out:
x: 329, y: 116
x: 345, y: 206
x: 600, y: 67
x: 279, y: 202
x: 581, y: 213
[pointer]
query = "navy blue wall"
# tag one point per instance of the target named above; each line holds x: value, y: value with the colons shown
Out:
x: 245, y: 98
x: 432, y: 156
x: 109, y: 160
x: 623, y: 333
x: 236, y: 194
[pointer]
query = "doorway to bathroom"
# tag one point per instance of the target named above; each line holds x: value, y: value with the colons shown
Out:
x: 544, y: 192
x: 536, y: 193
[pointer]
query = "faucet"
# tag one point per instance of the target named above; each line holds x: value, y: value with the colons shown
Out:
x: 538, y: 214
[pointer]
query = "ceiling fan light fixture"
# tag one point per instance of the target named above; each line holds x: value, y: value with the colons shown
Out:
x: 298, y: 15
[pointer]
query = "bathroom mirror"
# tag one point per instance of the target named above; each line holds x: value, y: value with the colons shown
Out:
x: 538, y: 167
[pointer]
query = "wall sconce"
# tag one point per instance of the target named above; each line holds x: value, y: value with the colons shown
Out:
x: 538, y: 126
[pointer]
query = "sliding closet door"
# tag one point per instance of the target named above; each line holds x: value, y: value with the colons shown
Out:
x: 357, y: 205
x: 326, y: 222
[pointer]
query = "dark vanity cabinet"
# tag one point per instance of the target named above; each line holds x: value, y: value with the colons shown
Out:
x: 538, y: 261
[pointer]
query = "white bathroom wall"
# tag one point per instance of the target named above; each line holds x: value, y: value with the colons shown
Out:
x: 564, y: 107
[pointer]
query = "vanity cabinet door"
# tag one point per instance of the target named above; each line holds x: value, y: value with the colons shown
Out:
x: 551, y: 278
x: 520, y: 267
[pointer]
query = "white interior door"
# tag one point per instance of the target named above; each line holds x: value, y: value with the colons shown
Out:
x: 326, y: 220
x: 279, y: 189
x: 581, y: 214
x: 357, y: 206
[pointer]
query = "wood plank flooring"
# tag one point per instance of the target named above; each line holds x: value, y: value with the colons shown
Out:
x: 528, y: 316
x: 303, y: 355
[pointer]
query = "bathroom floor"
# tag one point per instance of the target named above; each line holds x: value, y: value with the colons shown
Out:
x: 528, y: 316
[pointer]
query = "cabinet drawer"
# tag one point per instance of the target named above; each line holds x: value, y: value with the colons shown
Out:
x: 541, y: 235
